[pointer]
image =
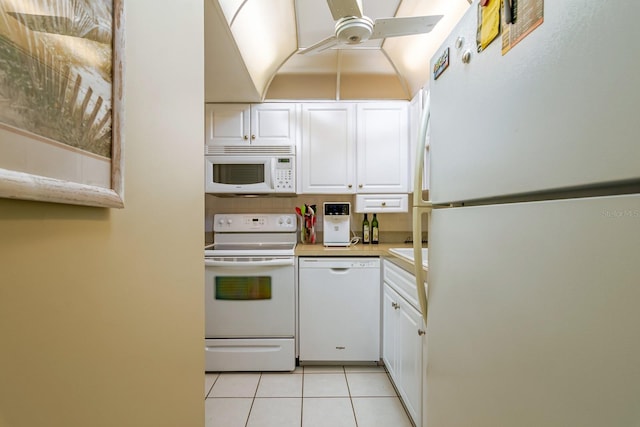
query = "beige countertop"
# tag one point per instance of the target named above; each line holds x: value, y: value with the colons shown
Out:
x: 359, y: 249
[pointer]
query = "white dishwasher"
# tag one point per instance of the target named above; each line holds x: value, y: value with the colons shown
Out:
x: 339, y: 309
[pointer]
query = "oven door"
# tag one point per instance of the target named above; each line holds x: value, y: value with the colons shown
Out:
x: 249, y: 297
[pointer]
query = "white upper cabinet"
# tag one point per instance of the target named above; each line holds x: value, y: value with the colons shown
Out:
x: 242, y: 124
x: 328, y: 148
x: 227, y: 124
x: 354, y: 147
x: 273, y: 124
x: 382, y: 145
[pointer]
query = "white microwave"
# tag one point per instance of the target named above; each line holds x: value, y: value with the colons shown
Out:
x: 250, y: 169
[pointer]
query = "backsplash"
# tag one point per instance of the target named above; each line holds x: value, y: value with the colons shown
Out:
x: 394, y: 227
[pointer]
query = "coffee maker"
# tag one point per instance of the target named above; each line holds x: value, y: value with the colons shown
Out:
x: 336, y: 223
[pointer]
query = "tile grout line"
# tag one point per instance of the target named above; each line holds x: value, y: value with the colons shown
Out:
x: 302, y: 396
x: 353, y: 409
x: 255, y: 393
x: 206, y: 396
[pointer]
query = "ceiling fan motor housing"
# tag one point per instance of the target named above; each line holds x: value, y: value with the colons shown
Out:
x: 354, y: 30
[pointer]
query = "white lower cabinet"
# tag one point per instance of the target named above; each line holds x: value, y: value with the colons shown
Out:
x: 403, y: 341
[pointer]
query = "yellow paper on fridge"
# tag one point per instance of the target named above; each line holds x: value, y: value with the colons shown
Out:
x: 488, y: 23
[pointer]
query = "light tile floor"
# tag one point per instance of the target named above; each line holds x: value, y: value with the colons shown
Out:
x: 311, y: 396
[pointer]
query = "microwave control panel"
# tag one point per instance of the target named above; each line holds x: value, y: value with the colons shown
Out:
x: 284, y: 178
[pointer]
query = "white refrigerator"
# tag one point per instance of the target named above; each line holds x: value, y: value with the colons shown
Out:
x: 534, y: 238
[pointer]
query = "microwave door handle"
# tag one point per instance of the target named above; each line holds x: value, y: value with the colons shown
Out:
x: 280, y: 262
x: 272, y: 175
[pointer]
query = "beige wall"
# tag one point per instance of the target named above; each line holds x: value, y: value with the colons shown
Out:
x: 101, y: 314
x: 324, y: 87
x: 394, y: 227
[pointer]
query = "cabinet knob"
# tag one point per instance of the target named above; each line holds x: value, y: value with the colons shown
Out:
x: 253, y: 137
x: 421, y: 332
x: 246, y: 137
x: 360, y: 186
x: 384, y: 204
x: 395, y: 305
x: 350, y: 186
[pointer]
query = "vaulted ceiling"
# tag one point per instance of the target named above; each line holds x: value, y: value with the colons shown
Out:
x: 251, y: 51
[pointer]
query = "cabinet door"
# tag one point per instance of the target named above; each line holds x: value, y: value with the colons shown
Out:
x: 227, y: 124
x: 382, y: 147
x: 273, y: 124
x: 390, y: 316
x: 409, y: 344
x: 403, y: 347
x: 328, y: 148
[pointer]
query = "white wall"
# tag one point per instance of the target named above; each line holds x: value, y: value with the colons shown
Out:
x: 101, y: 313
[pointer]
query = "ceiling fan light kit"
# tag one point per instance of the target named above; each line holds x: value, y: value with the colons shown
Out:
x: 354, y: 30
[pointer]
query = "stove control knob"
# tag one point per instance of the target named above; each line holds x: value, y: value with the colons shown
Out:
x: 289, y: 220
x: 229, y: 221
x: 221, y: 221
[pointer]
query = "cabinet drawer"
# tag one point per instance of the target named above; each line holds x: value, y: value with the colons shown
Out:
x: 402, y: 282
x: 382, y: 203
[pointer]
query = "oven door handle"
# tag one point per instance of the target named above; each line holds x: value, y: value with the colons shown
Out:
x: 275, y: 262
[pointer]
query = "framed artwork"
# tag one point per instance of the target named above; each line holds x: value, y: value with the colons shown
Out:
x: 61, y: 101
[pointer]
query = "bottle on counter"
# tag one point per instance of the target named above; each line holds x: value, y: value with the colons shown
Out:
x: 365, y: 230
x: 375, y: 230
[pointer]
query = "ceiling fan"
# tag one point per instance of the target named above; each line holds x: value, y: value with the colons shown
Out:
x: 352, y: 27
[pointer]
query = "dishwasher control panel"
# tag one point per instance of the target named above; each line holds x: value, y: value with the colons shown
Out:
x: 338, y: 262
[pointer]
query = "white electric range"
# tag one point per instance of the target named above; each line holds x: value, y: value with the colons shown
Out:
x: 250, y: 293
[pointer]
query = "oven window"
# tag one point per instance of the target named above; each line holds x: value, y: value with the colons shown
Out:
x: 238, y: 173
x: 240, y: 288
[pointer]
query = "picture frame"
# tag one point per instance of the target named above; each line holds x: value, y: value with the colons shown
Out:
x: 88, y: 170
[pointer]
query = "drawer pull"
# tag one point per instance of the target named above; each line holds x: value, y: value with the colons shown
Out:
x: 421, y: 332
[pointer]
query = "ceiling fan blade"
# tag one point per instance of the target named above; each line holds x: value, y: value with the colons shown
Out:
x: 396, y: 27
x: 322, y: 45
x: 342, y: 8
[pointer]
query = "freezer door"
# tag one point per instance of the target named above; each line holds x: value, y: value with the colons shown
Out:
x: 534, y: 314
x: 558, y: 110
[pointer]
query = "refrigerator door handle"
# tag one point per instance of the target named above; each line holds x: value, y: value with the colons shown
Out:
x: 421, y: 207
x: 420, y: 155
x: 417, y: 258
